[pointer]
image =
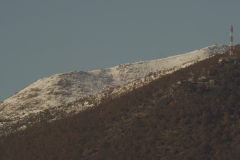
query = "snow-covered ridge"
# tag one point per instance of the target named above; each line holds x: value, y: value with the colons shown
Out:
x: 64, y: 88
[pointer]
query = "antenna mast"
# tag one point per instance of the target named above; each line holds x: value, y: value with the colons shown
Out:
x: 231, y: 40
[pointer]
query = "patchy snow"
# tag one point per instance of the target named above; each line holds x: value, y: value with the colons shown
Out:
x: 68, y: 87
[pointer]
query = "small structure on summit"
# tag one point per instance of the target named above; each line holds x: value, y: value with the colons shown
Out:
x: 231, y: 57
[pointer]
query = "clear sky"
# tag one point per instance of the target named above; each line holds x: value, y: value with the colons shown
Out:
x: 40, y: 38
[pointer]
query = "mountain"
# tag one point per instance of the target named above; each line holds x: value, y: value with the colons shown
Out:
x: 66, y: 88
x: 192, y: 113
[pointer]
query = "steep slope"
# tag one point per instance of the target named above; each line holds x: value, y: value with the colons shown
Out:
x: 192, y: 113
x: 68, y: 87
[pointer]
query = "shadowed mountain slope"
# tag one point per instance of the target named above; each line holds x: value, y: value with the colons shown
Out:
x: 193, y: 113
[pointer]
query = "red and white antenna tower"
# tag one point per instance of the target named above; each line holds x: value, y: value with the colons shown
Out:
x: 231, y: 40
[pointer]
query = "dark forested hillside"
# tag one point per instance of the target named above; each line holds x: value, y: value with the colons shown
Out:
x: 193, y: 113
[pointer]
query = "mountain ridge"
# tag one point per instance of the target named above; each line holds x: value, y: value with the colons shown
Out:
x: 192, y: 113
x: 62, y: 89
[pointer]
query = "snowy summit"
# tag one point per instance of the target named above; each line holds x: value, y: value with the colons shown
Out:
x: 67, y: 87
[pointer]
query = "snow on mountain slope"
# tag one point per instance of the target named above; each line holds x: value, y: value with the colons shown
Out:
x: 64, y: 88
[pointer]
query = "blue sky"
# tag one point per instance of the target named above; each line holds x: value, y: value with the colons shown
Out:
x: 40, y: 38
